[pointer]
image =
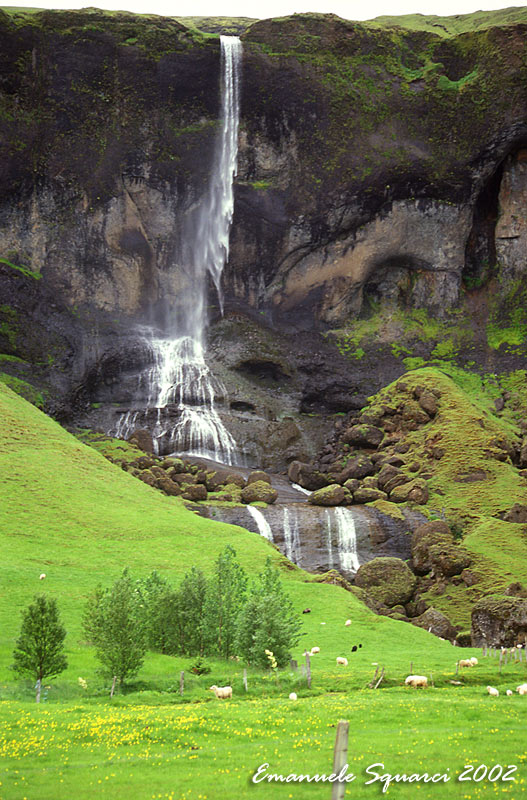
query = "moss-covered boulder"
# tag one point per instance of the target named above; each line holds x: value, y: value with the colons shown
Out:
x: 449, y: 559
x: 424, y: 537
x: 387, y: 580
x: 332, y: 495
x: 147, y: 477
x: 416, y: 491
x: 499, y: 621
x: 258, y: 475
x: 195, y: 492
x: 259, y: 492
x: 168, y: 487
x: 367, y: 494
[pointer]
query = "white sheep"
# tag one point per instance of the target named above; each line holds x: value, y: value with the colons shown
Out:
x: 474, y: 661
x: 314, y: 651
x: 492, y: 691
x: 293, y: 696
x: 222, y: 692
x: 417, y: 681
x: 509, y: 693
x: 42, y: 576
x: 341, y: 661
x: 522, y: 688
x: 466, y: 662
x: 347, y: 623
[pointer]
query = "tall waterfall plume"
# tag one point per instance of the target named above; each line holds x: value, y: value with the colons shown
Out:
x: 180, y: 387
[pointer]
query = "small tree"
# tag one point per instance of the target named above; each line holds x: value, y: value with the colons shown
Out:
x: 115, y: 623
x: 225, y: 599
x: 38, y: 651
x: 268, y: 621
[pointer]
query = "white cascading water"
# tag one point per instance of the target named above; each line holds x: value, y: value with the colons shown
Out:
x: 291, y: 535
x: 329, y: 532
x: 346, y: 540
x: 264, y: 529
x: 180, y: 386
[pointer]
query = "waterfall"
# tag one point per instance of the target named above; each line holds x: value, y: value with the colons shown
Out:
x: 347, y: 540
x: 291, y: 535
x: 329, y: 532
x: 264, y: 529
x: 179, y: 385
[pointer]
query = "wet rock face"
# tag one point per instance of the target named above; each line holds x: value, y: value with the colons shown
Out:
x: 499, y: 621
x: 321, y: 539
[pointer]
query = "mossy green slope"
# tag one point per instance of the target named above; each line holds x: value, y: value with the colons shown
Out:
x: 69, y: 513
x: 472, y: 482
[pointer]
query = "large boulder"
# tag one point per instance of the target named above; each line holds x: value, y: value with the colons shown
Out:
x: 259, y: 492
x: 428, y: 403
x: 363, y: 436
x: 518, y: 513
x: 416, y: 491
x: 258, y: 475
x: 195, y: 492
x: 434, y: 621
x: 332, y: 495
x: 358, y: 467
x: 367, y: 494
x: 424, y: 538
x: 499, y: 621
x: 387, y: 580
x: 142, y: 439
x: 306, y: 476
x: 449, y: 559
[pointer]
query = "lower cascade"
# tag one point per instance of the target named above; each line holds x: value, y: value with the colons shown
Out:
x: 318, y: 538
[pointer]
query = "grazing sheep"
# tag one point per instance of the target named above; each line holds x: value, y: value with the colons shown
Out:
x: 522, y: 688
x: 293, y: 696
x: 341, y: 661
x: 492, y: 691
x: 222, y: 692
x: 509, y: 693
x: 314, y: 651
x: 474, y: 661
x: 306, y: 611
x: 347, y: 623
x: 354, y: 648
x: 42, y: 576
x: 417, y: 681
x: 466, y: 662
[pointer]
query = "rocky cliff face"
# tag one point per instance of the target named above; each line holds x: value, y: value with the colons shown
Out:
x: 380, y: 172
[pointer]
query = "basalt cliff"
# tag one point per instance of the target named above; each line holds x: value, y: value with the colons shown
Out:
x: 379, y: 225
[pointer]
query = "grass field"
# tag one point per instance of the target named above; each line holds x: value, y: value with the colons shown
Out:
x: 68, y: 512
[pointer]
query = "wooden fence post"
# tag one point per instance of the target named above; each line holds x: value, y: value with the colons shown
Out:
x: 182, y: 683
x: 308, y: 671
x: 340, y: 758
x: 501, y: 659
x: 294, y: 665
x: 411, y: 667
x: 113, y: 685
x: 457, y: 667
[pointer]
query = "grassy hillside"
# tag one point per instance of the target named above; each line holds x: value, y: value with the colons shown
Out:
x: 454, y: 25
x: 68, y: 512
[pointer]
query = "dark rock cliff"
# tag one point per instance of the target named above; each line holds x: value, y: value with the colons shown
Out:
x: 381, y: 185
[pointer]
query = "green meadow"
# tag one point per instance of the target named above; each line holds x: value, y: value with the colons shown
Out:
x: 69, y: 513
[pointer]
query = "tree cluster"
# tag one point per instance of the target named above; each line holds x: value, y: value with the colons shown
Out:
x: 223, y: 615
